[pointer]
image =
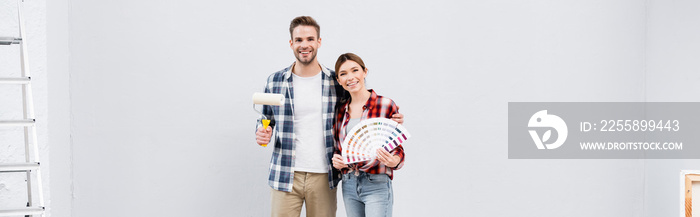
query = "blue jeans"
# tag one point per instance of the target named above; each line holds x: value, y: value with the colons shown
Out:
x: 367, y: 195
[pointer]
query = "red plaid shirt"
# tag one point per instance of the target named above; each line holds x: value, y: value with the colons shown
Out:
x: 376, y: 107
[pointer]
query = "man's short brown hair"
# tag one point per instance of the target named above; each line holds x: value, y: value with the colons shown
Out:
x: 304, y: 21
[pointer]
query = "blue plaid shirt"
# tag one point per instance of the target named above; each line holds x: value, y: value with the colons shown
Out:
x: 282, y: 120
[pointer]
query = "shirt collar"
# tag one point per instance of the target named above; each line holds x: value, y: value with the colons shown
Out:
x: 371, y: 102
x: 288, y: 73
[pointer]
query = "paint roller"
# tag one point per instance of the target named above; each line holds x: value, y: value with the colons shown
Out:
x: 266, y: 99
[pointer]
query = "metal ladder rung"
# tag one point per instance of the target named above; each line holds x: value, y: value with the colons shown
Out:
x: 19, y: 167
x: 22, y: 211
x: 23, y: 123
x: 22, y: 80
x: 30, y: 132
x: 10, y: 40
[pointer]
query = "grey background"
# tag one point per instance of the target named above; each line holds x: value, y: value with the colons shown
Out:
x: 149, y: 110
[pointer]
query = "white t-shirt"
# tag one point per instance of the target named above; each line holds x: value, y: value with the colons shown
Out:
x: 308, y: 125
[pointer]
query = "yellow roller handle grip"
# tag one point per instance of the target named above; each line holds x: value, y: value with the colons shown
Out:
x: 265, y: 123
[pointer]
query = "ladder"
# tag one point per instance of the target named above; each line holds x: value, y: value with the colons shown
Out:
x: 29, y: 124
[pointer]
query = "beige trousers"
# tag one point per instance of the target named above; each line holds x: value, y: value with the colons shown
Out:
x: 310, y: 187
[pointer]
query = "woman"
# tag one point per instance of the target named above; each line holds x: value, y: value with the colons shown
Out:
x: 367, y: 187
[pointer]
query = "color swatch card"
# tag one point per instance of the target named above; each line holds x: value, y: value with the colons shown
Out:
x: 363, y: 140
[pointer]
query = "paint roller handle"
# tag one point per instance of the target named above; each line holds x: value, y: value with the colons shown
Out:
x: 264, y: 133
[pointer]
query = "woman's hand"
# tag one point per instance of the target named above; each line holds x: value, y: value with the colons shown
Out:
x: 338, y: 162
x: 387, y: 158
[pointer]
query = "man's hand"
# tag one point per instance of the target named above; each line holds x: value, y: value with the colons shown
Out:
x: 398, y: 118
x: 262, y: 136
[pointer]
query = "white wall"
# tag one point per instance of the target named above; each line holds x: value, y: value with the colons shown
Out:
x: 58, y: 55
x: 161, y: 121
x: 161, y: 108
x: 671, y: 76
x: 13, y: 189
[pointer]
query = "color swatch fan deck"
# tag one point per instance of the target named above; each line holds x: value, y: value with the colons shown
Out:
x: 363, y: 140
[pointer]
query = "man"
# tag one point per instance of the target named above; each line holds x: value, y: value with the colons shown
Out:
x: 300, y: 168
